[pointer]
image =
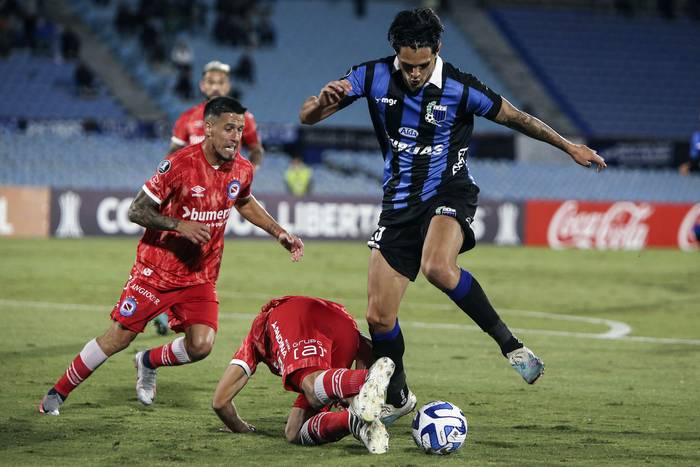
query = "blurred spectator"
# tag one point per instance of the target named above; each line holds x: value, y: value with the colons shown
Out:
x: 126, y: 21
x: 182, y: 57
x: 245, y: 68
x: 183, y: 86
x: 298, y: 177
x: 46, y: 36
x: 84, y: 80
x: 70, y: 44
x: 266, y: 30
x: 666, y: 8
x: 31, y: 12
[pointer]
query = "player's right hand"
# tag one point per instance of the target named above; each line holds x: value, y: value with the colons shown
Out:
x: 333, y: 92
x: 194, y: 231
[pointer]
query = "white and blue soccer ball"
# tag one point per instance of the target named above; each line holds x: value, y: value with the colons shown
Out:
x: 439, y: 428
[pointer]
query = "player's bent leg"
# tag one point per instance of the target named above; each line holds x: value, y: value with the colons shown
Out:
x: 323, y: 387
x: 199, y: 340
x: 385, y: 289
x: 329, y: 427
x: 439, y: 264
x: 93, y: 354
x: 195, y: 345
x: 367, y: 404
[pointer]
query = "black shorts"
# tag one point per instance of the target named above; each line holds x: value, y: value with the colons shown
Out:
x: 402, y: 244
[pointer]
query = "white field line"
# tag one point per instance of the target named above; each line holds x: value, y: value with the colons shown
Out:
x: 617, y: 330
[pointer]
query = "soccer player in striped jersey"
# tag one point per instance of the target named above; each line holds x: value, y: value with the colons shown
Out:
x: 422, y: 109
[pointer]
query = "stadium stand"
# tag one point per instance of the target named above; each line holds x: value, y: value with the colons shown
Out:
x: 614, y: 76
x: 38, y: 87
x: 111, y: 162
x: 299, y: 66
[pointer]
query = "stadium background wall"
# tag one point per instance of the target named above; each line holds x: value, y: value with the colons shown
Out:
x: 625, y: 225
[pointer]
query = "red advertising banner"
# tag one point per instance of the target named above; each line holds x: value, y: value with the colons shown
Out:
x: 621, y: 225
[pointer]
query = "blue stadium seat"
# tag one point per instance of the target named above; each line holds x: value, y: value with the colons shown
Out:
x: 614, y: 76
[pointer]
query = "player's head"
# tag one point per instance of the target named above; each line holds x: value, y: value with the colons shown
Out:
x: 415, y: 36
x: 224, y: 120
x: 215, y: 80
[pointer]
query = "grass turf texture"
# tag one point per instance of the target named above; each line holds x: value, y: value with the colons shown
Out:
x: 612, y: 402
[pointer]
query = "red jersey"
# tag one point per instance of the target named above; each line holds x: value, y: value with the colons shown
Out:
x: 188, y: 187
x: 298, y: 332
x: 189, y: 128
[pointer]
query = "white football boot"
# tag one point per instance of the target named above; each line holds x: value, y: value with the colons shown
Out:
x: 367, y: 404
x: 50, y: 404
x: 390, y: 413
x: 526, y: 363
x: 145, y: 381
x: 373, y: 435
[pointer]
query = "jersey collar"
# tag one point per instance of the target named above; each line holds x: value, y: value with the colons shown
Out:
x: 435, y: 78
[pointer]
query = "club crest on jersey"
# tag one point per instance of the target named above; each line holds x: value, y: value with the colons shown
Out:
x: 435, y: 113
x: 128, y: 307
x: 164, y: 166
x: 233, y: 188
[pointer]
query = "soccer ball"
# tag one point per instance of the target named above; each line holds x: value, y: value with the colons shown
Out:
x: 439, y: 428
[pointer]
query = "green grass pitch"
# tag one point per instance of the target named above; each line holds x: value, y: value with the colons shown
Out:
x: 631, y: 399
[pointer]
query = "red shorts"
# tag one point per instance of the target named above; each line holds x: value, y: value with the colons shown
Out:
x: 317, y: 339
x: 140, y: 303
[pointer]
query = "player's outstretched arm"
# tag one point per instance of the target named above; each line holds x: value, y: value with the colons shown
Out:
x: 254, y: 213
x: 230, y: 384
x: 317, y: 108
x: 145, y: 212
x: 528, y: 125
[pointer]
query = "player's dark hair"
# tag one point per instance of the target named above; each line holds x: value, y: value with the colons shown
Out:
x: 417, y: 28
x: 222, y: 105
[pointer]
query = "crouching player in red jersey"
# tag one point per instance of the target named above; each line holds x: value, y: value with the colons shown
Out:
x: 184, y: 208
x: 311, y: 343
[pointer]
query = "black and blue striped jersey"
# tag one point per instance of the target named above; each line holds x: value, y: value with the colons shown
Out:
x: 424, y: 136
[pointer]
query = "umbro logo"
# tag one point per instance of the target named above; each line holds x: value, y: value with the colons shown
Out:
x: 198, y: 191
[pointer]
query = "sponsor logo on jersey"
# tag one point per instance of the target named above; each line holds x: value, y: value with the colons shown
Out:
x: 446, y: 211
x: 233, y: 188
x: 146, y: 293
x: 408, y: 132
x: 435, y: 113
x: 205, y: 216
x: 416, y: 149
x: 164, y: 166
x: 128, y: 307
x: 198, y: 191
x: 386, y: 100
x: 279, y: 339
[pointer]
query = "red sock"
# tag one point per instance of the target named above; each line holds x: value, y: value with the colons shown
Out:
x: 325, y: 427
x: 171, y: 354
x: 82, y: 366
x: 338, y: 383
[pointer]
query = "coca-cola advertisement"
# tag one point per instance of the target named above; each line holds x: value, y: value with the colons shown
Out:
x: 621, y: 225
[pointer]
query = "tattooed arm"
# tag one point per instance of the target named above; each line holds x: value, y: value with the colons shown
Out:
x: 537, y: 129
x: 145, y: 212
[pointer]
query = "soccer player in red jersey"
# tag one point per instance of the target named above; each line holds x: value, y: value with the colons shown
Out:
x: 311, y: 343
x: 184, y: 208
x: 189, y: 127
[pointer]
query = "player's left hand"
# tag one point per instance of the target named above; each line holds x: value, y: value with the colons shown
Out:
x: 587, y: 157
x: 293, y: 244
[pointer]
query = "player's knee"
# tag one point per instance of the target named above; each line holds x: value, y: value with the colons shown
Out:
x: 379, y: 321
x: 199, y: 349
x: 437, y: 271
